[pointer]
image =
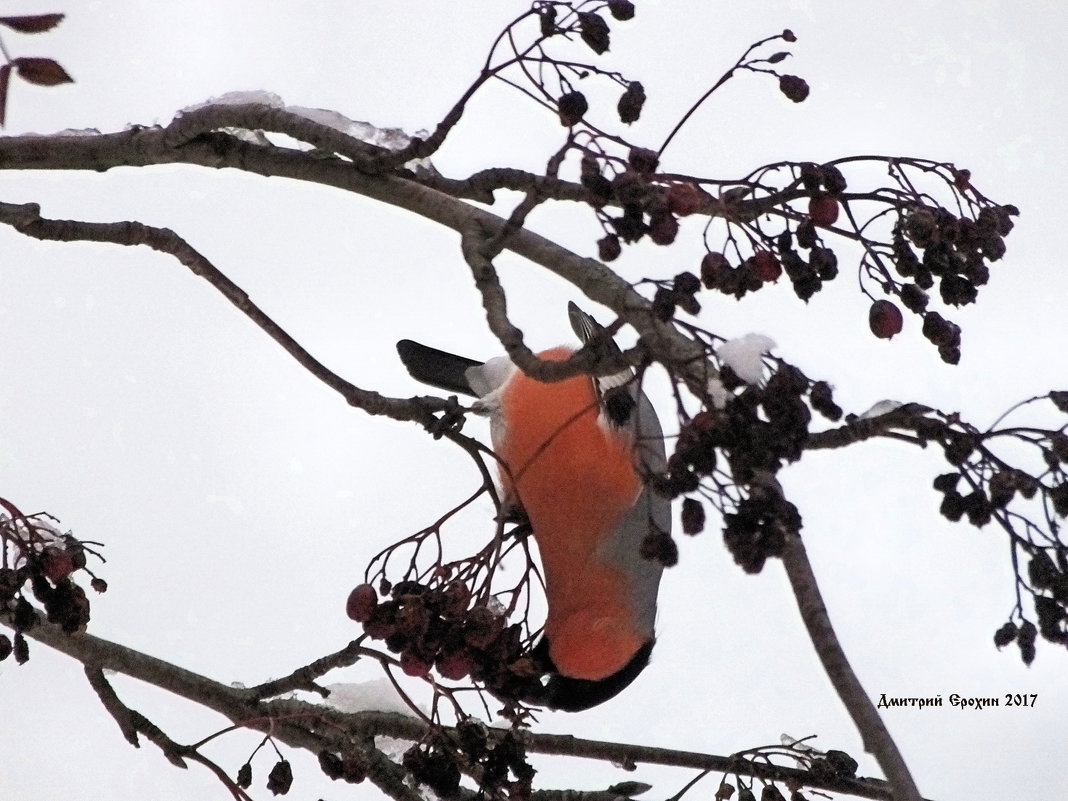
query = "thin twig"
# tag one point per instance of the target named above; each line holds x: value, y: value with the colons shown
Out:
x: 304, y: 678
x: 27, y: 220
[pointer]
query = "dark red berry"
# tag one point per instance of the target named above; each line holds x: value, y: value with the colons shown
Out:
x: 885, y: 319
x: 414, y: 665
x: 361, y: 603
x: 621, y: 9
x: 663, y: 228
x: 714, y: 269
x: 766, y: 266
x: 608, y: 248
x: 823, y: 210
x: 456, y: 665
x: 56, y: 563
x: 684, y: 199
x: 572, y: 107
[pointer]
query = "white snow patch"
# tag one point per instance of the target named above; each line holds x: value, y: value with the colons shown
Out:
x: 393, y: 139
x: 799, y: 744
x: 718, y: 393
x: 376, y: 695
x: 745, y: 356
x: 78, y: 132
x: 255, y: 97
x: 388, y: 138
x: 881, y: 408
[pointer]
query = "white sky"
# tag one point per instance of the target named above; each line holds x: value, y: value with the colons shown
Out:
x: 240, y: 500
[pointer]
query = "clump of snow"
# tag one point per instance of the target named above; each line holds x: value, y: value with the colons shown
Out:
x: 78, y: 132
x: 799, y: 744
x: 881, y: 408
x: 494, y: 605
x: 252, y: 137
x: 376, y: 695
x: 745, y: 356
x: 256, y: 97
x: 718, y: 393
x: 38, y: 529
x: 388, y: 138
x: 392, y: 139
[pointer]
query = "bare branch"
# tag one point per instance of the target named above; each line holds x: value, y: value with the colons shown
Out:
x: 27, y: 220
x: 188, y: 125
x: 141, y: 147
x: 106, y: 693
x: 316, y: 728
x: 877, y: 740
x: 304, y: 678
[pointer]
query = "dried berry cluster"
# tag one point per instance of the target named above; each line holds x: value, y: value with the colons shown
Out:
x: 500, y: 763
x: 648, y: 207
x: 834, y: 765
x: 595, y: 32
x: 955, y: 252
x: 434, y: 766
x: 757, y: 529
x: 991, y: 486
x: 350, y: 766
x: 279, y: 780
x: 437, y: 627
x: 45, y: 561
x: 1023, y: 635
x: 1046, y: 576
x: 759, y: 429
x: 806, y: 271
x: 280, y: 777
x: 1052, y: 609
x: 680, y: 293
x: 980, y: 504
x: 831, y: 766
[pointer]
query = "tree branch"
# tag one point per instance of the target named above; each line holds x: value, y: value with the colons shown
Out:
x: 150, y: 146
x: 315, y: 727
x: 876, y: 738
x: 187, y: 140
x: 27, y: 220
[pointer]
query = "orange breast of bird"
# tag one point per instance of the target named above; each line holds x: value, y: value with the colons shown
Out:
x: 575, y: 479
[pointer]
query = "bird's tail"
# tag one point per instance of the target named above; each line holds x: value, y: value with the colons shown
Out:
x: 437, y: 368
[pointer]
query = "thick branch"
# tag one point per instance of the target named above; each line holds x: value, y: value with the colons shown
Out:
x: 188, y: 125
x: 877, y: 740
x: 142, y: 147
x: 907, y: 417
x: 316, y: 727
x: 663, y: 342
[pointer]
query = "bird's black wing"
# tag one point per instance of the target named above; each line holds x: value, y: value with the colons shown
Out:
x: 437, y: 368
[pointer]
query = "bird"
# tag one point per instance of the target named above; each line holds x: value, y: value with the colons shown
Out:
x: 574, y: 457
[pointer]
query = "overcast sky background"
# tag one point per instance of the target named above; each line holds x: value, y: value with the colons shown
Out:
x: 240, y: 500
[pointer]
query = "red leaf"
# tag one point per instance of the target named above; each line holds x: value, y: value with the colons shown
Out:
x: 41, y: 71
x: 38, y: 23
x: 5, y: 75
